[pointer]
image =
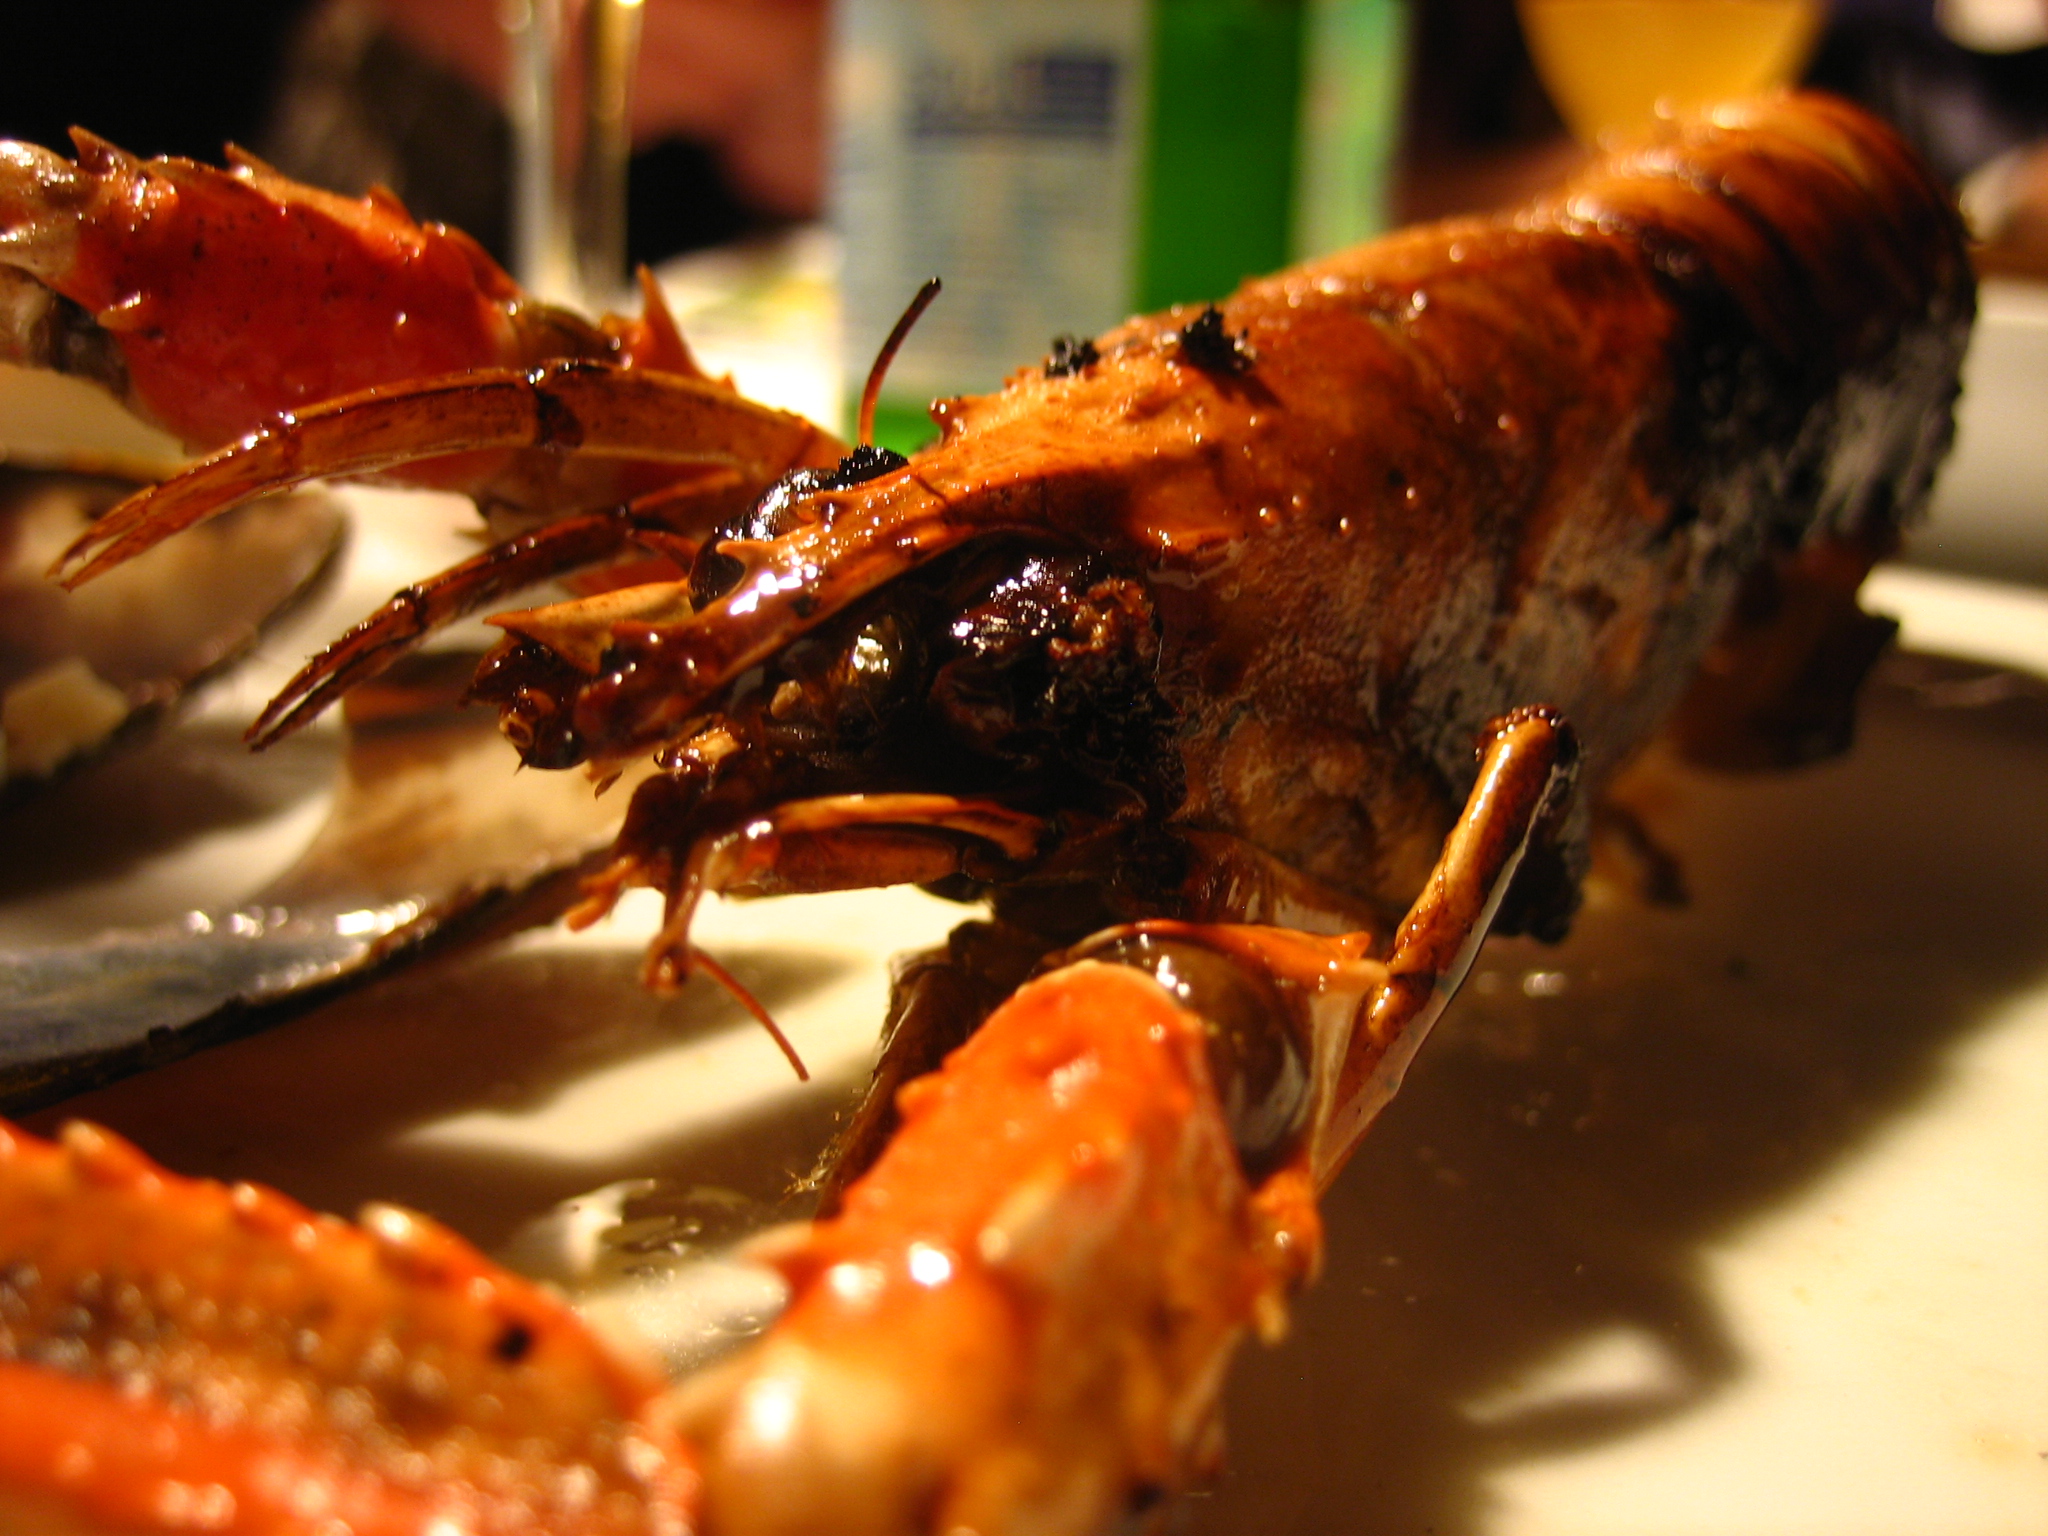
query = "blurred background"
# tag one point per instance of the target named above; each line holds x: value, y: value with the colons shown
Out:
x: 1061, y: 162
x: 730, y: 118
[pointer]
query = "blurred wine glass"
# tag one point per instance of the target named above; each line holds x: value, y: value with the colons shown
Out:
x: 572, y: 73
x: 1617, y: 65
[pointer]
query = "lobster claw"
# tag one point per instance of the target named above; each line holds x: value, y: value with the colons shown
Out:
x: 150, y: 277
x: 329, y: 336
x: 1020, y: 1316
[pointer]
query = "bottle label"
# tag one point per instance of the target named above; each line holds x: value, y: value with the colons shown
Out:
x: 1061, y: 164
x: 995, y: 146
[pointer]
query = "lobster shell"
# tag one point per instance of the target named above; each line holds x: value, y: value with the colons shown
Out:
x: 1666, y: 418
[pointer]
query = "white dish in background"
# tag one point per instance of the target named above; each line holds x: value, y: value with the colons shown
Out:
x: 51, y: 420
x: 1990, y: 513
x: 190, y: 818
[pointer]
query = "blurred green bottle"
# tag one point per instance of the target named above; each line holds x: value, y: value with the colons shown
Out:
x: 1064, y: 163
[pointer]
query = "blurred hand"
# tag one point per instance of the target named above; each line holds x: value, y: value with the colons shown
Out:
x: 744, y: 76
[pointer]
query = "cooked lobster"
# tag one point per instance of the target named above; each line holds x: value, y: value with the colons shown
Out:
x: 1177, y: 650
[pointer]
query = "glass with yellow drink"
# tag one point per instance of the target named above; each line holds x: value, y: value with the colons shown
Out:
x: 1617, y: 64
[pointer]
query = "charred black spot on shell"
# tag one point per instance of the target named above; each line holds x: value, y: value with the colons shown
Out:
x: 1257, y: 1057
x: 1070, y: 354
x: 870, y: 461
x: 513, y: 1343
x: 778, y: 512
x: 1143, y: 1499
x: 1205, y: 343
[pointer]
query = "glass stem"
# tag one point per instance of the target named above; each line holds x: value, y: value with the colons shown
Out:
x: 569, y: 99
x: 611, y: 44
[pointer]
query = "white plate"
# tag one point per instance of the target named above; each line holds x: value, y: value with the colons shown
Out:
x: 1990, y: 512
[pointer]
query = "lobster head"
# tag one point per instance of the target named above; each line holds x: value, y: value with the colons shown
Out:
x: 861, y: 681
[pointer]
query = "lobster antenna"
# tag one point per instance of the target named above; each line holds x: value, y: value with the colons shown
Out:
x: 739, y: 994
x: 872, y: 390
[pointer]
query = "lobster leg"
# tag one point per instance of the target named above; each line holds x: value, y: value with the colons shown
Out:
x: 178, y: 1355
x: 510, y: 566
x: 573, y: 407
x: 836, y: 842
x: 1499, y: 853
x: 1022, y: 1313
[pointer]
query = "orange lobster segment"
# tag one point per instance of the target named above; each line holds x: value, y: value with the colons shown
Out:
x: 232, y: 296
x: 221, y: 303
x: 180, y: 1354
x: 669, y: 423
x: 1025, y: 1309
x: 132, y: 1463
